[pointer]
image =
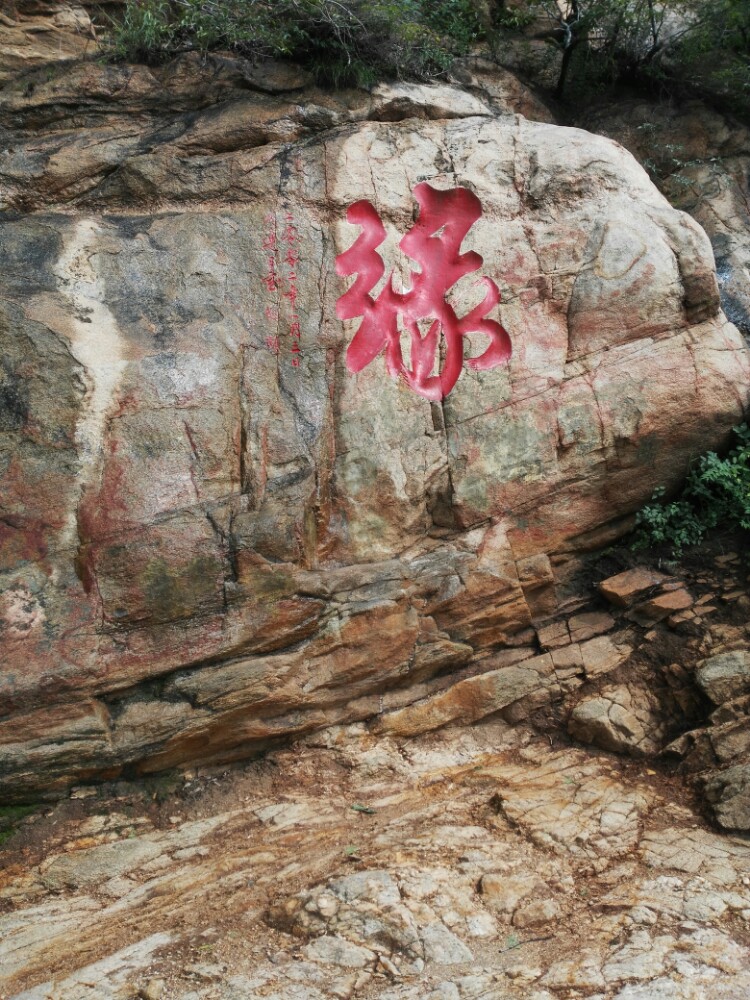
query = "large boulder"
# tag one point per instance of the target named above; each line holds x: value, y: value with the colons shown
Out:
x: 211, y: 540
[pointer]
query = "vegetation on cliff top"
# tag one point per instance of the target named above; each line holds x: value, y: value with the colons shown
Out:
x: 342, y: 42
x: 581, y: 45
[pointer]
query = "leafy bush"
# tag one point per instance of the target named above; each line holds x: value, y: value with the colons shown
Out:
x: 717, y: 493
x: 714, y: 53
x: 341, y: 41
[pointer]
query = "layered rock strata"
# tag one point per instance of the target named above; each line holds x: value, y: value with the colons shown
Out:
x: 209, y: 541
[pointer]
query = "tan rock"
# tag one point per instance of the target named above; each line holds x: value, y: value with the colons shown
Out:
x: 503, y: 893
x: 536, y: 914
x: 407, y: 919
x: 661, y: 607
x: 623, y: 719
x: 588, y: 625
x: 470, y: 699
x: 628, y: 587
x: 30, y: 40
x: 702, y: 156
x: 604, y: 654
x: 568, y: 658
x: 718, y: 859
x: 542, y: 797
x: 582, y: 971
x: 502, y: 89
x: 554, y: 636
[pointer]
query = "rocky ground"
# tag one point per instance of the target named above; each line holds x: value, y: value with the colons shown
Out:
x: 495, y: 860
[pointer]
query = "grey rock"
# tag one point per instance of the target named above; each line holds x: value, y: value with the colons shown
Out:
x: 377, y: 886
x: 728, y: 792
x: 442, y: 946
x: 725, y: 676
x: 96, y: 864
x: 113, y: 975
x: 337, y: 951
x: 623, y: 719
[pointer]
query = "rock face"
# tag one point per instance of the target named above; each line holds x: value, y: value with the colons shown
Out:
x: 37, y: 33
x: 211, y: 539
x: 701, y: 157
x: 684, y: 675
x: 721, y: 750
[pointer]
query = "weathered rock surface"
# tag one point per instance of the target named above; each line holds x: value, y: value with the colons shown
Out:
x: 635, y: 711
x: 204, y: 548
x: 634, y: 689
x: 37, y: 34
x: 720, y: 752
x: 465, y: 865
x: 209, y: 542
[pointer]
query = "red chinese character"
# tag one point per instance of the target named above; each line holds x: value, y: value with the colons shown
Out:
x: 271, y: 278
x: 272, y: 314
x: 434, y: 241
x: 272, y: 343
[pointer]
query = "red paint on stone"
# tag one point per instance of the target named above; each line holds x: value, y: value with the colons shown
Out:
x: 434, y: 241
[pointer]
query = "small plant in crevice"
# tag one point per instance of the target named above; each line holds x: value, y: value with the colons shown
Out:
x: 10, y: 818
x: 716, y: 494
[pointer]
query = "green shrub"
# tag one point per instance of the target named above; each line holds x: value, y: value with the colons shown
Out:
x: 143, y: 29
x: 714, y: 56
x: 341, y: 41
x: 716, y: 494
x: 454, y: 20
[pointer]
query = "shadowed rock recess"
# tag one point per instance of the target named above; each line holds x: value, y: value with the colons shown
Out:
x: 205, y: 549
